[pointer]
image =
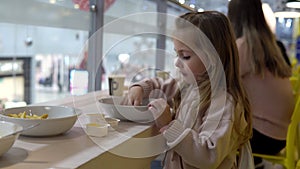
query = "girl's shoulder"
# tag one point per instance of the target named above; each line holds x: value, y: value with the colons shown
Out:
x: 223, y: 102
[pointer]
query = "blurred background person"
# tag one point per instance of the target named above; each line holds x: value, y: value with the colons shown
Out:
x: 265, y: 76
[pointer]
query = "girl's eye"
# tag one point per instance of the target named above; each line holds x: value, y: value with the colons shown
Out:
x: 186, y: 57
x: 182, y: 56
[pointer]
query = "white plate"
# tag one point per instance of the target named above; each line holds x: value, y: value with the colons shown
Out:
x: 7, y: 142
x: 112, y: 107
x: 60, y: 119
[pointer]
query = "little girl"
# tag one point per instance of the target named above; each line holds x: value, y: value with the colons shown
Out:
x: 211, y: 119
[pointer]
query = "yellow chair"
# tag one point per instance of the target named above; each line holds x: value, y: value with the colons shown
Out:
x: 298, y: 165
x: 290, y: 155
x: 295, y: 82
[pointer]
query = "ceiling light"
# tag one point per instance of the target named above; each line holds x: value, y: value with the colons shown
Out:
x: 181, y: 1
x: 52, y: 1
x: 287, y: 14
x: 124, y: 58
x: 200, y: 10
x: 76, y: 6
x: 293, y: 3
x: 192, y: 6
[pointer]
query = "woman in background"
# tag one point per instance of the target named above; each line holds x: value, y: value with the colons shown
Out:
x: 265, y: 75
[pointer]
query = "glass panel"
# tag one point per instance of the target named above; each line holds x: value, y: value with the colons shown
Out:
x: 173, y: 10
x: 51, y: 34
x: 126, y: 51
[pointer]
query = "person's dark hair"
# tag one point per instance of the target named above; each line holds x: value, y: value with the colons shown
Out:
x: 283, y: 51
x: 248, y: 20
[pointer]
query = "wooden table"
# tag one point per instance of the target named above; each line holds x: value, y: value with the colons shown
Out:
x: 132, y: 145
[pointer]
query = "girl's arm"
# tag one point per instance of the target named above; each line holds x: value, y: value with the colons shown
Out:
x: 209, y: 144
x: 153, y: 88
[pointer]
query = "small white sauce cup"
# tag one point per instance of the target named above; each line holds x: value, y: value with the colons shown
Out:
x: 97, y: 129
x: 113, y: 122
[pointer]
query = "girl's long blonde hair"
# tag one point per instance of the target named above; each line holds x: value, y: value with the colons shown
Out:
x: 216, y: 27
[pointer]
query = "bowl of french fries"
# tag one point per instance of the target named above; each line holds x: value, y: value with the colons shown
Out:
x: 8, y: 135
x: 49, y: 120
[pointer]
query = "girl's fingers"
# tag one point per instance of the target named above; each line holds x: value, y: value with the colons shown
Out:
x: 157, y: 107
x: 137, y: 102
x: 125, y: 101
x: 153, y: 109
x: 130, y: 101
x: 164, y: 128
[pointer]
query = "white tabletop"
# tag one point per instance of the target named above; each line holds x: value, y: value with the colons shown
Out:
x: 75, y: 149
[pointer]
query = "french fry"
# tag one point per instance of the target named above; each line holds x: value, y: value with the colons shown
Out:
x: 13, y: 115
x: 23, y: 115
x: 44, y: 116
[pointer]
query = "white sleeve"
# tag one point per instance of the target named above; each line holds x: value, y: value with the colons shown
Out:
x: 206, y: 148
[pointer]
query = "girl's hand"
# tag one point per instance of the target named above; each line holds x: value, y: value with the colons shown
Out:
x: 161, y: 112
x: 161, y: 130
x: 134, y: 96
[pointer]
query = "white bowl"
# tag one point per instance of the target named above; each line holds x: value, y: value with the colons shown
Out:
x: 112, y: 106
x: 113, y: 122
x: 7, y: 128
x: 60, y: 119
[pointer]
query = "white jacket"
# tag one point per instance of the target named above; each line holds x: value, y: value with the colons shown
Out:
x: 206, y: 141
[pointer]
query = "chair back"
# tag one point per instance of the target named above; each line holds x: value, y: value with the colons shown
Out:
x: 295, y: 82
x: 292, y: 141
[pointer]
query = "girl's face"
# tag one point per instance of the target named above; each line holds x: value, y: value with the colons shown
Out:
x: 188, y: 63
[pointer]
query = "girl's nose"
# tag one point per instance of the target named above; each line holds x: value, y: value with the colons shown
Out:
x: 178, y: 63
